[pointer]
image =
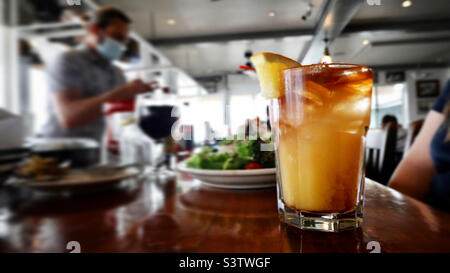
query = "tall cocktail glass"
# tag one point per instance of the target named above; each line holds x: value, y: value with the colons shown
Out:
x: 320, y: 123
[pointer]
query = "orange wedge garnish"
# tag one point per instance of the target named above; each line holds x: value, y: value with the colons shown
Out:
x: 269, y: 68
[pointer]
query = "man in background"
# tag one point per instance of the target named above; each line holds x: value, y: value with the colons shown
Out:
x: 81, y: 80
x: 401, y: 132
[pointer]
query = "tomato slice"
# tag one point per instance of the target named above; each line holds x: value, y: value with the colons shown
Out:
x: 253, y: 166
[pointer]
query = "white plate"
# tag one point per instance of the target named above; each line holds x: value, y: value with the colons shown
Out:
x: 232, y: 179
x: 79, y: 180
x: 58, y: 144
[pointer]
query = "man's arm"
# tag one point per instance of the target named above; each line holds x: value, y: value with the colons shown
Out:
x: 415, y: 172
x: 73, y: 110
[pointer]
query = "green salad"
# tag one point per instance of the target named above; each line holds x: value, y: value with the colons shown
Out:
x: 233, y: 155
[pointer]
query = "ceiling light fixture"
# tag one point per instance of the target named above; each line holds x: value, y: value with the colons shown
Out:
x: 308, y: 12
x: 171, y: 22
x: 366, y: 42
x: 326, y: 58
x: 271, y: 14
x: 406, y: 3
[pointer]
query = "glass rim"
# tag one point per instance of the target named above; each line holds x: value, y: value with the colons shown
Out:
x: 344, y: 66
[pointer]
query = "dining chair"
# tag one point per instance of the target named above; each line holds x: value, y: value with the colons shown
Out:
x: 380, y: 153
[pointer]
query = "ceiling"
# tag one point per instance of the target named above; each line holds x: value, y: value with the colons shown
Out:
x: 392, y: 11
x: 206, y: 17
x: 217, y: 58
x: 392, y: 48
x: 210, y: 37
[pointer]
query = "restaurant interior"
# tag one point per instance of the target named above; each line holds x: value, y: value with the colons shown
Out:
x: 157, y: 150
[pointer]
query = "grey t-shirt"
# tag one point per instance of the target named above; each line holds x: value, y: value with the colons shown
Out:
x: 84, y: 70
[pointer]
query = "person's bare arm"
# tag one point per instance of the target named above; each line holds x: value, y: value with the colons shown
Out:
x: 415, y: 172
x: 73, y: 110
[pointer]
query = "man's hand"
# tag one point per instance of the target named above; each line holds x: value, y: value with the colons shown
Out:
x: 74, y: 110
x: 131, y: 89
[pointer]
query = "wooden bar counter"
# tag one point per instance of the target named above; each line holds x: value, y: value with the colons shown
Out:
x: 183, y: 216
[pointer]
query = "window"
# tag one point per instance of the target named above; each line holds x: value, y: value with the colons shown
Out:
x: 243, y: 107
x: 39, y: 97
x: 202, y: 110
x: 388, y: 100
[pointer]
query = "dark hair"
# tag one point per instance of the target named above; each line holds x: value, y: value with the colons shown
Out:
x: 388, y: 118
x: 104, y: 16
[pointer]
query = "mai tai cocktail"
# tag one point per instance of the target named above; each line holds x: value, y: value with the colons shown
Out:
x: 320, y: 114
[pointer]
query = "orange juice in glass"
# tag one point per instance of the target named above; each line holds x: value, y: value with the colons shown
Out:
x: 320, y: 116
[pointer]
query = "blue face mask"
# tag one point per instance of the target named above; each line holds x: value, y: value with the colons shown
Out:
x: 111, y: 49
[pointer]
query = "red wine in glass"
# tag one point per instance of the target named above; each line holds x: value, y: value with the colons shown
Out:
x: 156, y: 121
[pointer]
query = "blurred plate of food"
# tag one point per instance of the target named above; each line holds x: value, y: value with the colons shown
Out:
x: 9, y: 159
x: 235, y: 164
x: 47, y: 174
x: 81, y: 152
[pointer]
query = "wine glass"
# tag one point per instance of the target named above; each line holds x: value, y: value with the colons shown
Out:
x: 156, y: 115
